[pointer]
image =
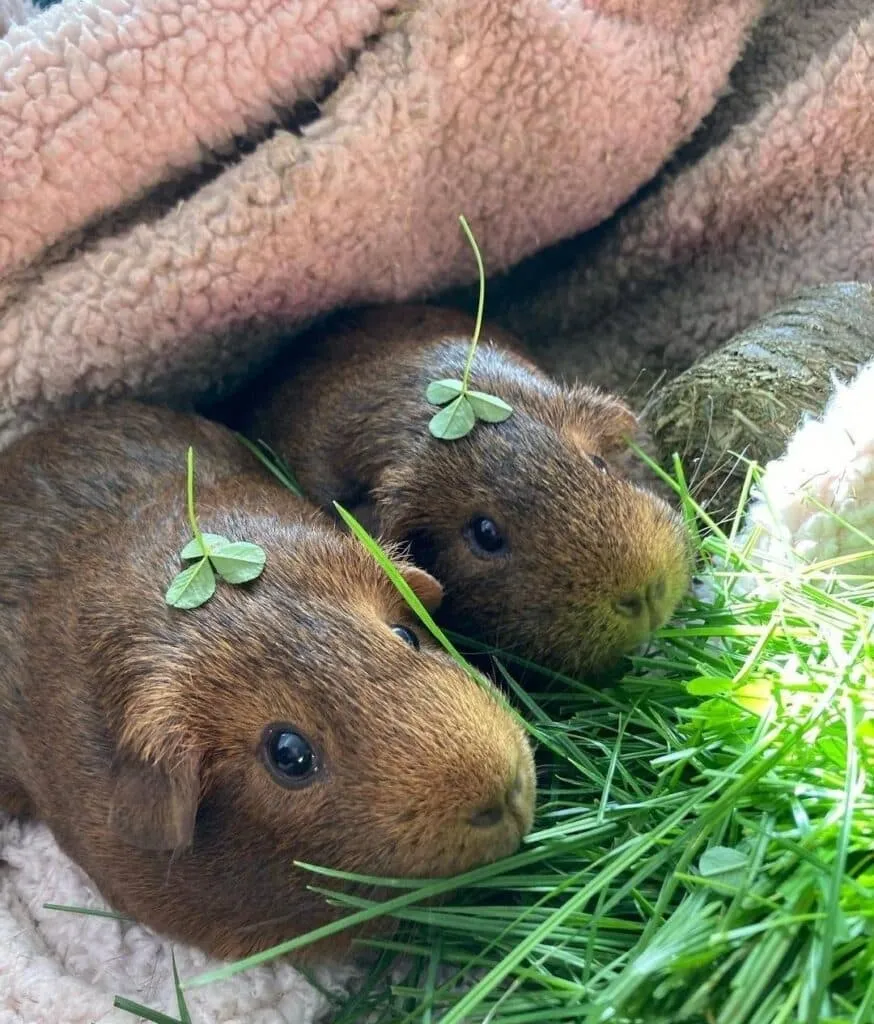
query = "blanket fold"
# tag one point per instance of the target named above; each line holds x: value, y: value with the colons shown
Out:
x: 102, y: 101
x: 773, y: 195
x: 506, y: 113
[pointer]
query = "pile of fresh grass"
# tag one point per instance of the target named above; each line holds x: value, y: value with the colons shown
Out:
x: 704, y: 847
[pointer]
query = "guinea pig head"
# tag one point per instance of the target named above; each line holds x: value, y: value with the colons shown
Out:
x: 304, y: 717
x: 544, y: 548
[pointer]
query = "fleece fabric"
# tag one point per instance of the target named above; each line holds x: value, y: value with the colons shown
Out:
x: 130, y: 265
x: 815, y: 504
x: 63, y: 968
x: 773, y: 194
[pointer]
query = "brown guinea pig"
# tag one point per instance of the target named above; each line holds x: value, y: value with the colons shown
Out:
x: 186, y: 759
x: 542, y: 546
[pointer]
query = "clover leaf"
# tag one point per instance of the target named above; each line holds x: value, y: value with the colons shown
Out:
x: 211, y: 554
x: 441, y: 391
x: 193, y: 586
x: 454, y: 421
x: 238, y: 561
x: 489, y: 408
x: 195, y: 547
x: 725, y: 864
x: 463, y: 407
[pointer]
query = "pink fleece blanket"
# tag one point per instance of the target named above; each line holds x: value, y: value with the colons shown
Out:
x: 774, y: 194
x: 132, y: 261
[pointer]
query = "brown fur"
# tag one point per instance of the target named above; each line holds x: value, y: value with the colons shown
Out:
x: 351, y: 419
x: 133, y: 729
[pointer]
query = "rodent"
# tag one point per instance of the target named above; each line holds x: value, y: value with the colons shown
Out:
x: 543, y: 546
x: 186, y: 759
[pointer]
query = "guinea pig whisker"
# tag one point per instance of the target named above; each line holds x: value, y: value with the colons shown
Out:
x: 506, y: 644
x: 367, y: 892
x: 268, y: 922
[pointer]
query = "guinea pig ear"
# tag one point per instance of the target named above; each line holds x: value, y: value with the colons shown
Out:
x: 428, y: 590
x: 154, y: 804
x: 600, y: 421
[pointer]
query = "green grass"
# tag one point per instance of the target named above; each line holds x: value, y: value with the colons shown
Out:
x: 703, y: 849
x: 704, y: 846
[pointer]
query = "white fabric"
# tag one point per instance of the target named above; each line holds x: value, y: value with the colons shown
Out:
x: 816, y: 502
x: 60, y: 968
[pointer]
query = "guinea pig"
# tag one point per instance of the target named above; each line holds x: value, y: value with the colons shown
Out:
x: 543, y: 546
x: 186, y: 759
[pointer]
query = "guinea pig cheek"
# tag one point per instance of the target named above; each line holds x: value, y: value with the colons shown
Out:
x: 282, y: 785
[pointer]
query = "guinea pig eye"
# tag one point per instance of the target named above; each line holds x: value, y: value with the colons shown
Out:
x: 485, y: 536
x: 289, y: 755
x: 599, y: 463
x: 407, y: 635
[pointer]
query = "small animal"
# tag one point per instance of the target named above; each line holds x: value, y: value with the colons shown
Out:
x: 542, y: 545
x: 187, y: 759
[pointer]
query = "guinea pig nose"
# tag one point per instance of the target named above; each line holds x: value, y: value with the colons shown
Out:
x: 645, y: 605
x: 488, y: 817
x: 630, y: 605
x: 516, y: 801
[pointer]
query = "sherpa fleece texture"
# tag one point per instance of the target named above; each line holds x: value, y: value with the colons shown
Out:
x: 535, y: 119
x: 774, y: 194
x: 61, y: 968
x: 816, y: 502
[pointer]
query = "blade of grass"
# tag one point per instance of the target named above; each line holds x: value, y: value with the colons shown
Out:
x: 138, y: 1010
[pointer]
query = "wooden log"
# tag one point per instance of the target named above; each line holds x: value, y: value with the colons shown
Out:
x: 747, y: 398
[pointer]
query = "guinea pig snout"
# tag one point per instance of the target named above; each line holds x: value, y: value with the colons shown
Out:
x: 647, y: 607
x: 652, y: 571
x: 513, y: 804
x: 497, y: 814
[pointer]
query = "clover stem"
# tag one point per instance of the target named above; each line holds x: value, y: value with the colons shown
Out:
x: 465, y: 380
x: 192, y: 518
